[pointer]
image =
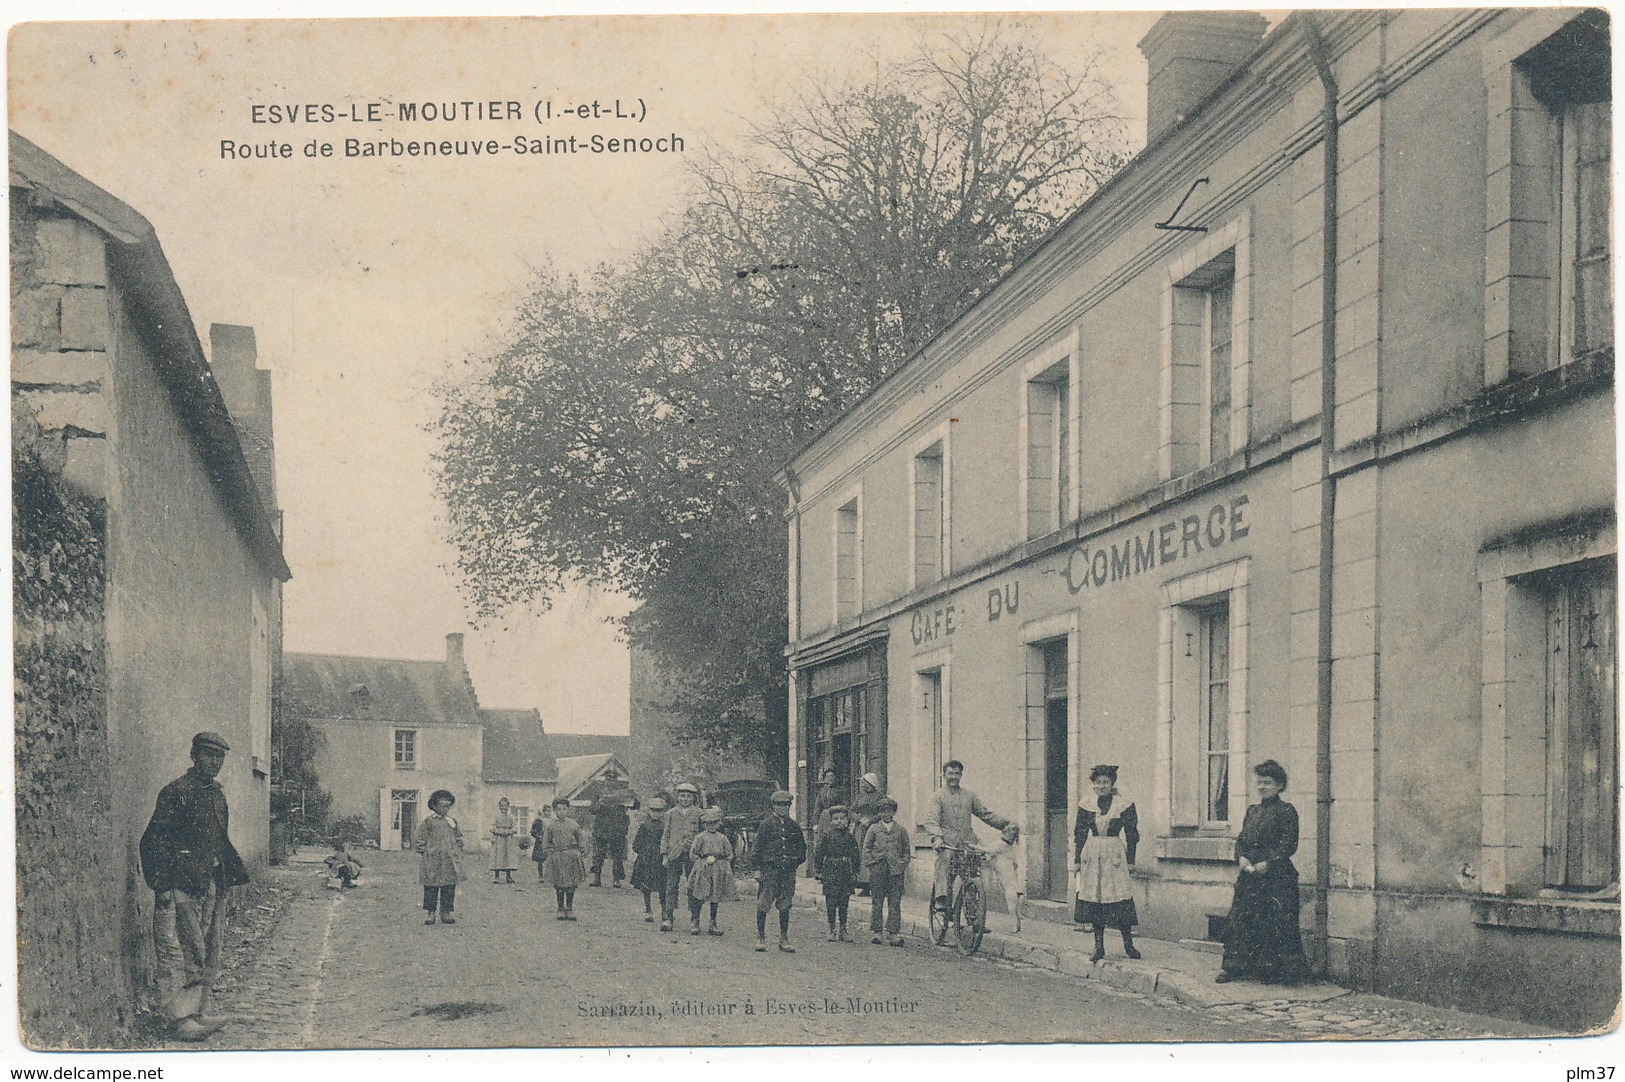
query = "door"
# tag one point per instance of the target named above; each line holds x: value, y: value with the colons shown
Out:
x: 1057, y: 754
x: 403, y: 817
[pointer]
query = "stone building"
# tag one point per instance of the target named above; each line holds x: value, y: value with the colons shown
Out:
x: 394, y: 731
x: 149, y: 582
x: 1296, y: 442
x: 518, y: 763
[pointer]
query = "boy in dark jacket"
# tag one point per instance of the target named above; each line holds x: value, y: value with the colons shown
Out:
x: 780, y: 850
x: 836, y: 861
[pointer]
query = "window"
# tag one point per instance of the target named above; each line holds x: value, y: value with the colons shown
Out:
x: 930, y: 523
x: 1582, y: 727
x: 848, y: 560
x: 1204, y: 348
x: 1549, y: 754
x: 1047, y: 410
x: 1206, y: 366
x: 931, y: 708
x: 1204, y: 698
x: 1217, y: 355
x: 1214, y: 660
x: 406, y: 749
x: 1549, y: 283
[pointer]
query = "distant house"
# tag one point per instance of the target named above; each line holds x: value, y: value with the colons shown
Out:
x: 585, y: 778
x: 518, y: 763
x: 148, y: 571
x: 395, y: 731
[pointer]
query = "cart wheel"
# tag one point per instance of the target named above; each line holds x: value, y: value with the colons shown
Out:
x: 972, y: 917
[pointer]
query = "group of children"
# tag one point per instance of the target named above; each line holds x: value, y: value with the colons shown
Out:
x: 439, y: 847
x: 884, y: 853
x: 685, y: 843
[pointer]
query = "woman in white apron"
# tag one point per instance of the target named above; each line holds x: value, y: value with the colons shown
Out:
x: 1104, y: 838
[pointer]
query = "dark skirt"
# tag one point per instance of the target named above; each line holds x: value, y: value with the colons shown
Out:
x: 1104, y: 915
x: 647, y: 874
x: 1262, y: 941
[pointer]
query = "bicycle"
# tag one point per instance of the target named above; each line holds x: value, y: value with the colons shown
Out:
x: 967, y: 908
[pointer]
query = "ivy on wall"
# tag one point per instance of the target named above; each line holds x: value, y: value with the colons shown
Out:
x: 71, y: 872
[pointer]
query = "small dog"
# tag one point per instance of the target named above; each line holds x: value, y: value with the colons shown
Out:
x: 1005, y: 861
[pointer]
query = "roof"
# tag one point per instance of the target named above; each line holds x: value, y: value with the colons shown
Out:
x: 136, y: 259
x: 386, y: 690
x: 516, y: 747
x: 567, y: 745
x: 576, y: 771
x: 1129, y: 178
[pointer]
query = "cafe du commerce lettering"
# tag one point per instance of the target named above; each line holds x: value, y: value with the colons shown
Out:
x: 1159, y: 546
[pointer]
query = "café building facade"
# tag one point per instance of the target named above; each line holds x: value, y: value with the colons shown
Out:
x: 1296, y: 441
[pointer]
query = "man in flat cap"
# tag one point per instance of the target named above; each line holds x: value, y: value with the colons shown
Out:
x: 189, y: 862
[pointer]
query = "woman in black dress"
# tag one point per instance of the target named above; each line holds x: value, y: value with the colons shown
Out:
x: 1262, y: 941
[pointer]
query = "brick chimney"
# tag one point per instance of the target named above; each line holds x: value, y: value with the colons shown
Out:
x: 1187, y: 54
x: 454, y: 653
x: 233, y: 359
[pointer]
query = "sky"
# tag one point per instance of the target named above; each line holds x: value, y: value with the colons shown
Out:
x: 362, y: 277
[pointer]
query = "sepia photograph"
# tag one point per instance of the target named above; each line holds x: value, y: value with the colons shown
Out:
x: 1074, y: 531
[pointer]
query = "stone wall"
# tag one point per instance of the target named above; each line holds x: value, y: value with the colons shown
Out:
x: 72, y: 988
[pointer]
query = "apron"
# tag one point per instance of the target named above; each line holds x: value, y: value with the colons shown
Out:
x: 1103, y: 870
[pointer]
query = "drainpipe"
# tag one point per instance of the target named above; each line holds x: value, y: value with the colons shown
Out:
x: 792, y: 749
x: 1328, y: 491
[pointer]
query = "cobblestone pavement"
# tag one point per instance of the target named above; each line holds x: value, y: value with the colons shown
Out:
x: 360, y: 970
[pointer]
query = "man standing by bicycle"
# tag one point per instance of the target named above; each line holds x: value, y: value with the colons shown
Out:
x: 948, y: 822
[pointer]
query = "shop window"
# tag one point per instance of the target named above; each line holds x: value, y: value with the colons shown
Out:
x: 1549, y: 286
x: 848, y: 559
x: 845, y: 730
x: 1206, y: 368
x: 406, y: 749
x: 930, y: 508
x: 1048, y: 421
x: 1204, y: 671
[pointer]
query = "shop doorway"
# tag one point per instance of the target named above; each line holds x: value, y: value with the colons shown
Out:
x: 845, y: 735
x: 1057, y: 756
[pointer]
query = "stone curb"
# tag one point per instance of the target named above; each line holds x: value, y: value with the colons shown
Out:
x: 1123, y: 974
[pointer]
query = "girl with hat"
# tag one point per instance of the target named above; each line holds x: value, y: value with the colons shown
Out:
x: 440, y: 857
x: 647, y: 873
x: 711, y: 878
x: 1104, y: 838
x: 566, y: 867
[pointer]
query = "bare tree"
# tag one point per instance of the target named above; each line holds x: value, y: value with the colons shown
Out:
x: 628, y: 433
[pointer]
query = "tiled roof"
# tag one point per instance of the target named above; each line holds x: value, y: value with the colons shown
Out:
x: 516, y: 747
x: 332, y: 686
x: 569, y: 745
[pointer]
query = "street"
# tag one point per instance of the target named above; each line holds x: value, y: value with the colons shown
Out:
x: 360, y: 970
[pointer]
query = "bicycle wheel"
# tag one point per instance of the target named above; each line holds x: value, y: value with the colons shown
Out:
x: 972, y: 917
x: 939, y: 924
